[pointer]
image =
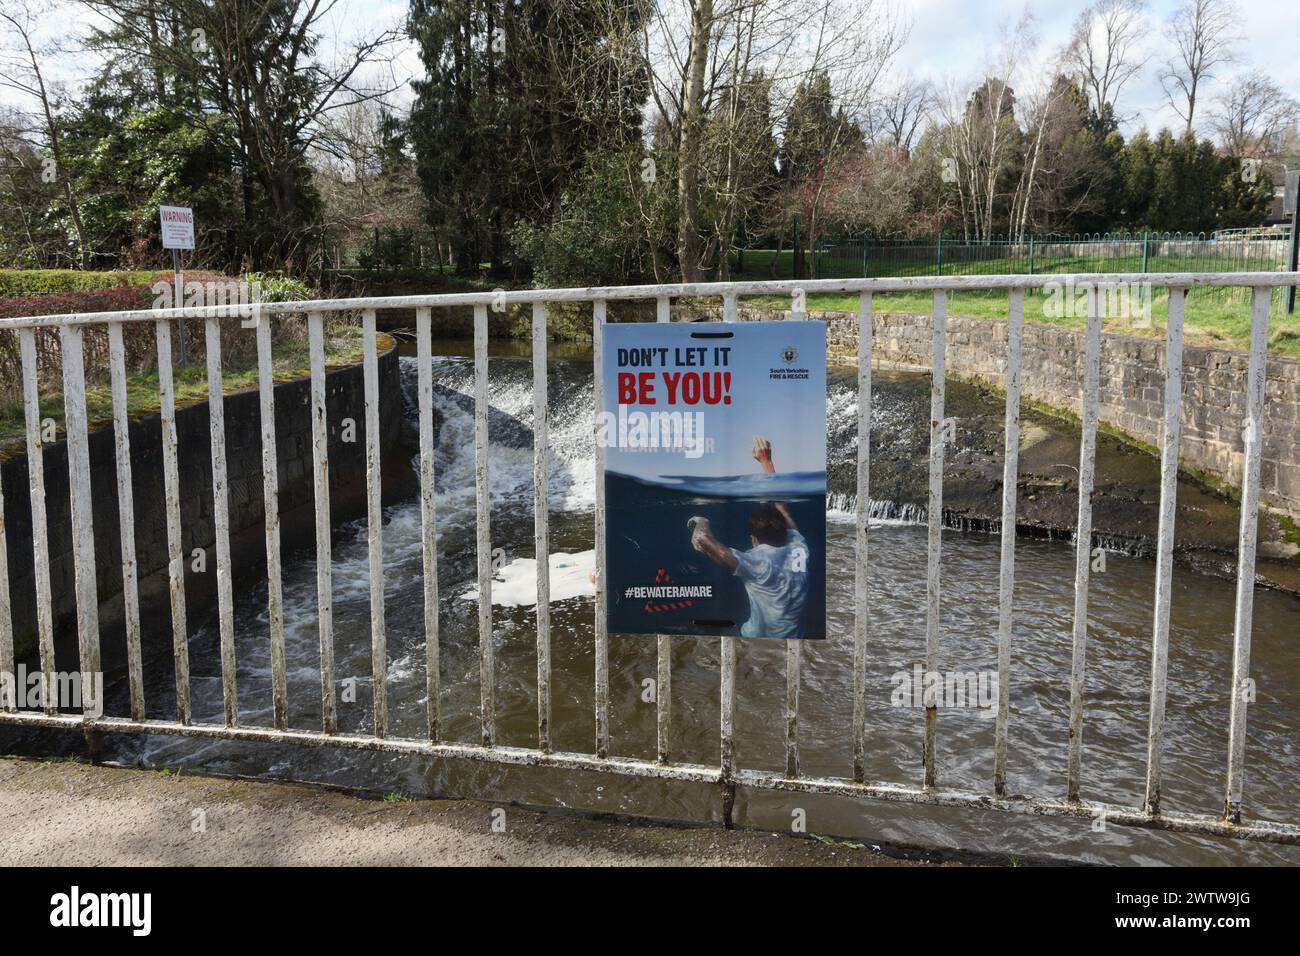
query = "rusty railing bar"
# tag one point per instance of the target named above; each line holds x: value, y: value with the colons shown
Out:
x: 601, y: 609
x: 8, y: 701
x: 221, y: 520
x: 40, y: 529
x: 172, y: 492
x: 727, y: 671
x: 1170, y: 433
x: 793, y: 648
x: 85, y: 584
x: 1007, y: 576
x: 428, y: 525
x: 1083, y: 539
x: 664, y: 643
x: 934, y: 537
x: 483, y: 524
x: 1243, y: 616
x: 126, y: 518
x: 375, y: 524
x: 320, y: 465
x: 541, y: 543
x: 271, y: 513
x: 862, y: 515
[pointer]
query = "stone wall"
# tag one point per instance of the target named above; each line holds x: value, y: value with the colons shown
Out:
x: 1132, y: 388
x: 344, y: 399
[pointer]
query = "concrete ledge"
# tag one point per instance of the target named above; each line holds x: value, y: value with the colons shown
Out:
x: 69, y: 814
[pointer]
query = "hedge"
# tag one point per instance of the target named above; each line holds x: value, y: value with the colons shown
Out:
x: 51, y: 281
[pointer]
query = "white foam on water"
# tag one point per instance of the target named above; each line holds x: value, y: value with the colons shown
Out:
x: 515, y: 584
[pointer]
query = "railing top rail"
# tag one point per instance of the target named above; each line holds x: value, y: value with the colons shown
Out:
x: 968, y: 283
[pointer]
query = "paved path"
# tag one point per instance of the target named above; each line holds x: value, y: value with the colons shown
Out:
x: 73, y: 814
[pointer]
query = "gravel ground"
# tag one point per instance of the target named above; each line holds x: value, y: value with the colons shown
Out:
x: 73, y: 814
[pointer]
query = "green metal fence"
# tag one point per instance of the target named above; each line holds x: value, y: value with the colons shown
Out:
x: 866, y: 257
x: 852, y: 257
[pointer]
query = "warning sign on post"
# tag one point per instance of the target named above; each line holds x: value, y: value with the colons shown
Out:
x: 715, y: 478
x: 177, y: 227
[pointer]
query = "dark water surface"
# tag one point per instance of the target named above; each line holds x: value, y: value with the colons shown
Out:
x: 1114, y: 752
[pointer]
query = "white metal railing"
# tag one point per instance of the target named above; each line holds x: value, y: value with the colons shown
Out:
x: 725, y: 773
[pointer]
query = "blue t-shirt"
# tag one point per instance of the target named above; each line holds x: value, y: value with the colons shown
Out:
x: 776, y: 580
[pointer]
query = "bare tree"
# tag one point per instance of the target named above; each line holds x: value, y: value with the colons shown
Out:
x: 1105, y: 49
x: 981, y: 138
x: 900, y: 113
x: 699, y: 55
x: 1253, y: 116
x: 689, y: 139
x: 1204, y: 36
x: 22, y: 70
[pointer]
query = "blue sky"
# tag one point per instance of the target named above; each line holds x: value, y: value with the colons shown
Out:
x: 789, y: 413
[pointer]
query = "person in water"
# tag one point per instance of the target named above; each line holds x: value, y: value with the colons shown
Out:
x: 775, y: 568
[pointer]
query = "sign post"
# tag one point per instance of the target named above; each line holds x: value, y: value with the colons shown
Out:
x: 177, y: 224
x: 1291, y: 204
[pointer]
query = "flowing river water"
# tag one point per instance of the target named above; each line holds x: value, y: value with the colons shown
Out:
x: 1114, y: 741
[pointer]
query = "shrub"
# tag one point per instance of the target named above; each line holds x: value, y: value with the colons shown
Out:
x: 238, y: 347
x: 52, y: 281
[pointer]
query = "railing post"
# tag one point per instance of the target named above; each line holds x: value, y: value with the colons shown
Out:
x: 934, y: 536
x: 271, y: 499
x: 483, y: 528
x: 1243, y: 617
x: 541, y: 543
x: 126, y: 518
x: 374, y: 525
x: 40, y: 529
x: 85, y: 583
x: 664, y: 650
x: 321, y: 490
x: 601, y: 609
x: 8, y: 692
x: 1083, y: 539
x: 221, y: 520
x: 862, y: 514
x: 1007, y: 577
x: 1170, y: 433
x: 172, y: 491
x: 727, y: 677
